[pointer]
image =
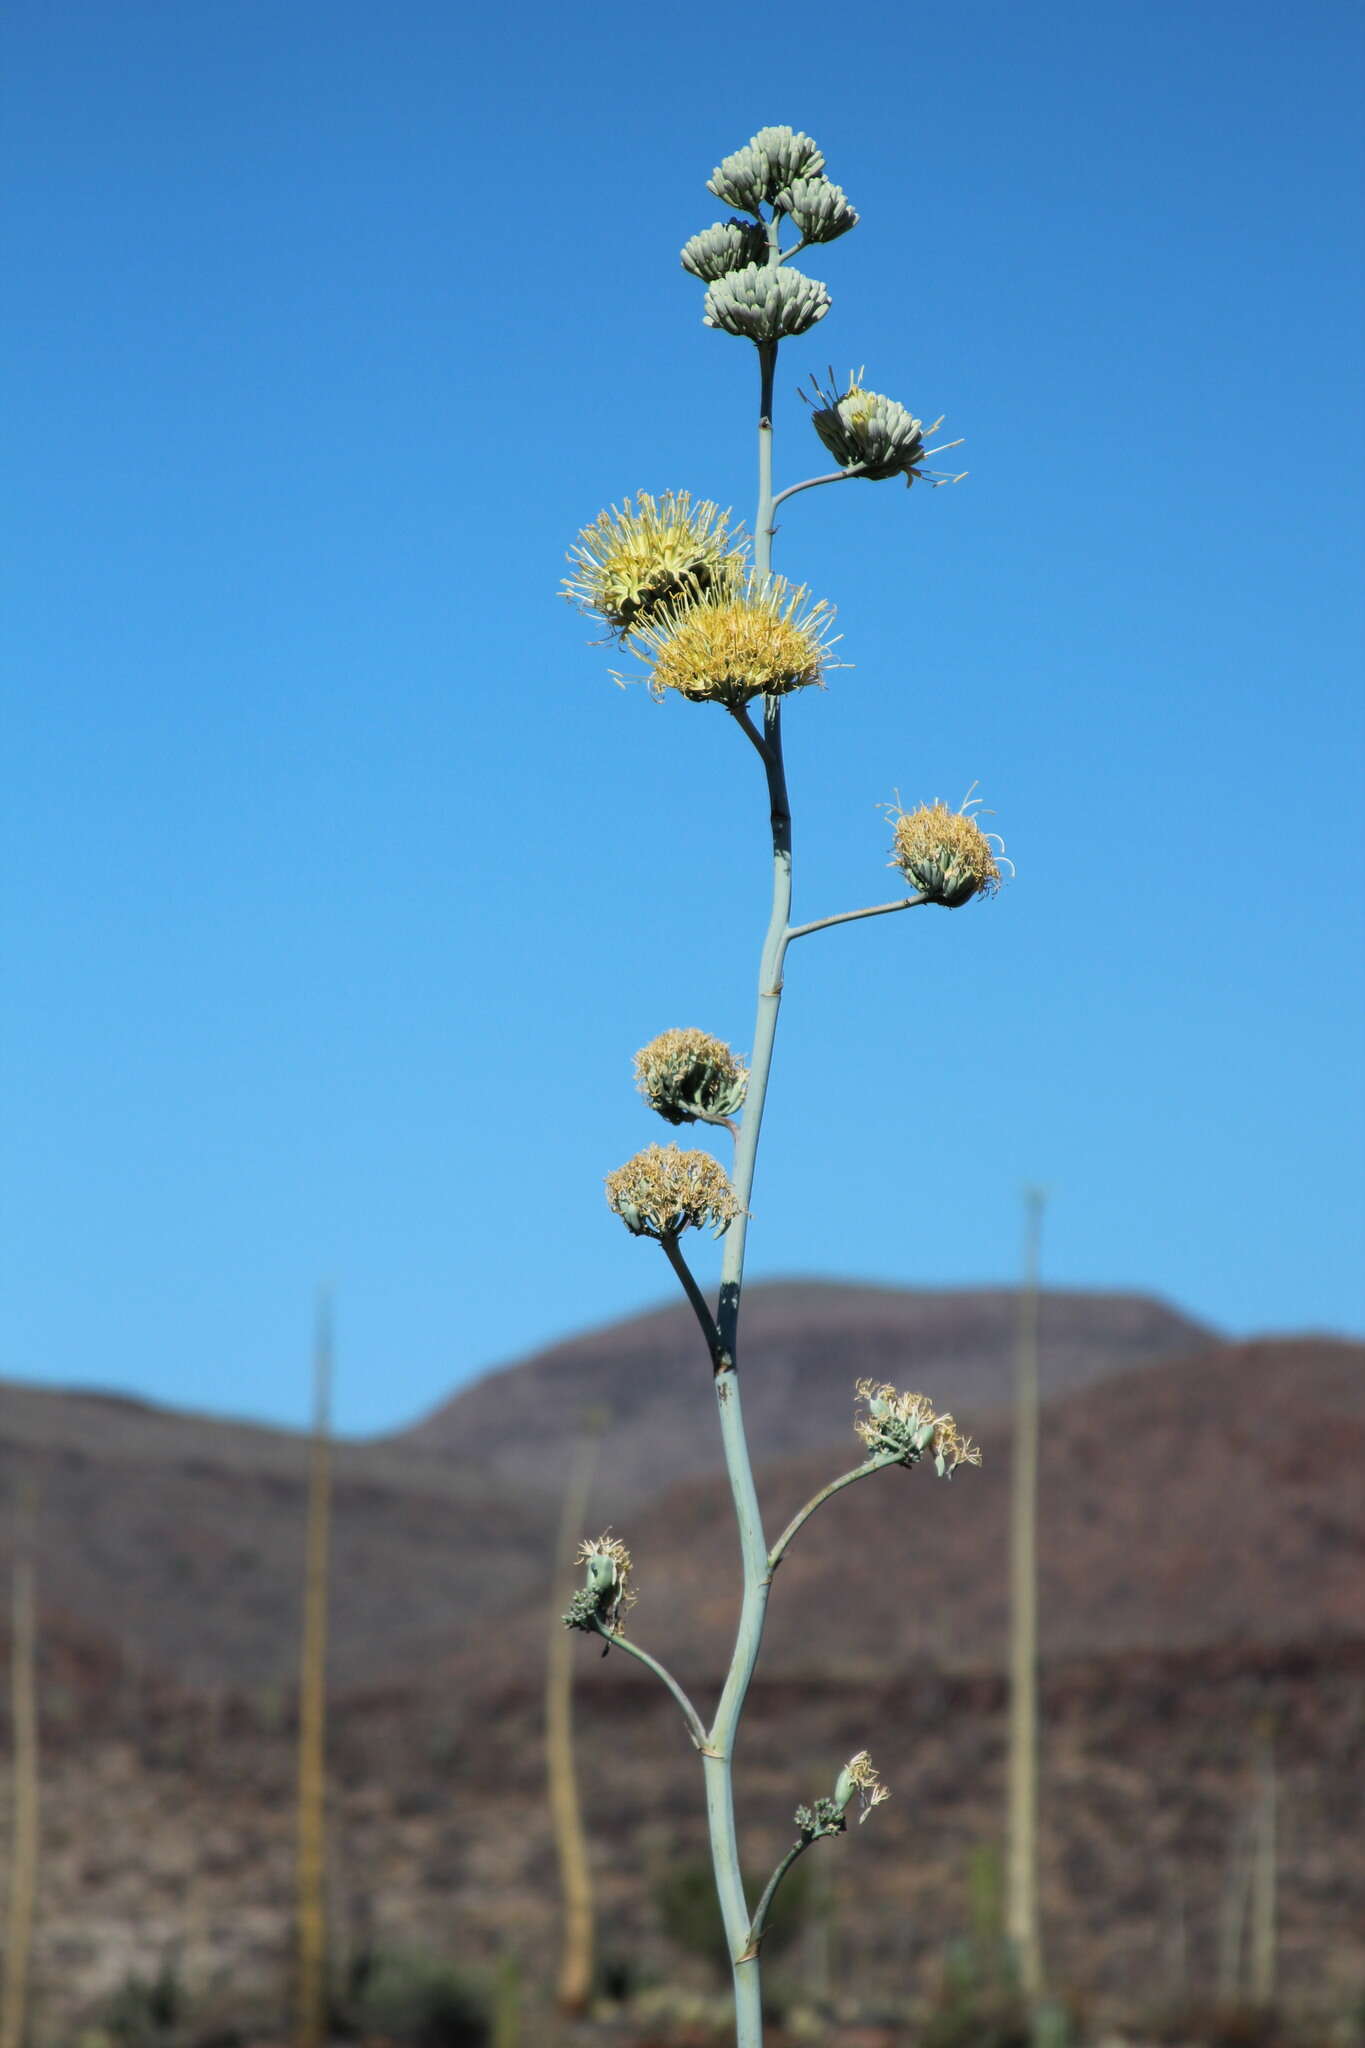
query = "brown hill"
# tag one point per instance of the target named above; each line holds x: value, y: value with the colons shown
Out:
x: 804, y: 1342
x: 177, y: 1537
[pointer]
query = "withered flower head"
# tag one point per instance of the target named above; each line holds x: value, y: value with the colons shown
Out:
x: 945, y: 854
x: 686, y: 1074
x: 904, y: 1426
x: 606, y: 1595
x: 860, y: 1775
x: 663, y: 1191
x: 639, y: 560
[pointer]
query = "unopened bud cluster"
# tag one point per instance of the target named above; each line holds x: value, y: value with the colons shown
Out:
x: 663, y: 1191
x: 751, y: 289
x: 904, y: 1427
x: 687, y: 1075
x: 944, y: 854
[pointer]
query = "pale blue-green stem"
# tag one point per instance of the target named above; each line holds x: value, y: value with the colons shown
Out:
x: 744, y: 1933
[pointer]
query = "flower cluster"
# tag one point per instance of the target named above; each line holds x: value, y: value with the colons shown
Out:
x: 663, y: 1191
x: 904, y: 1426
x: 726, y: 245
x: 764, y: 168
x: 945, y: 854
x: 860, y: 1775
x: 605, y: 1597
x: 871, y: 434
x: 687, y: 1074
x: 763, y: 303
x: 735, y: 642
x: 636, y: 563
x: 819, y: 208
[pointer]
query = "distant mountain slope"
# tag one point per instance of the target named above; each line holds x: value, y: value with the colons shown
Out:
x: 1214, y: 1499
x: 178, y: 1537
x: 805, y: 1342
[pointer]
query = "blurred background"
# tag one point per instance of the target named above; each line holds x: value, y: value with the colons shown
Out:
x: 340, y: 884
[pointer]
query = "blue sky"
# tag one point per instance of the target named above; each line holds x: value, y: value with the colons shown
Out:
x: 340, y: 883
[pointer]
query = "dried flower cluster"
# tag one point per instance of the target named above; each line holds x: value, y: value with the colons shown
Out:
x: 687, y: 1074
x: 905, y: 1426
x: 860, y: 1775
x: 945, y: 854
x: 606, y: 1597
x: 663, y: 1191
x: 640, y: 560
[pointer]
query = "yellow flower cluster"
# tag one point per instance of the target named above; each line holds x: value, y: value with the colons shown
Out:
x: 638, y: 561
x: 739, y: 641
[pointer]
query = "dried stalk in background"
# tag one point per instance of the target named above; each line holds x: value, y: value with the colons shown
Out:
x: 23, y: 1875
x: 311, y: 2021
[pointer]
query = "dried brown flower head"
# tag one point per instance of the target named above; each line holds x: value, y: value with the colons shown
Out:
x: 663, y: 1191
x: 945, y: 854
x: 686, y: 1074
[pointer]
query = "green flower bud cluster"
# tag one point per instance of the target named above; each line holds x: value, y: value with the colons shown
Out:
x: 729, y: 245
x: 763, y: 303
x: 819, y: 209
x: 763, y: 169
x: 751, y: 291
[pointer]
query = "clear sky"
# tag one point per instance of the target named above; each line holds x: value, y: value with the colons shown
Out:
x: 340, y: 882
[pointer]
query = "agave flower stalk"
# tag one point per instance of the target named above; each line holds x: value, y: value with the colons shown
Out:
x: 676, y: 586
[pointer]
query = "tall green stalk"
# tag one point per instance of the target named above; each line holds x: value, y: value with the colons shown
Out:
x: 672, y: 582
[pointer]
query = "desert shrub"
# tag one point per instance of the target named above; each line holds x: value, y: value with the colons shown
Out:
x: 419, y: 2002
